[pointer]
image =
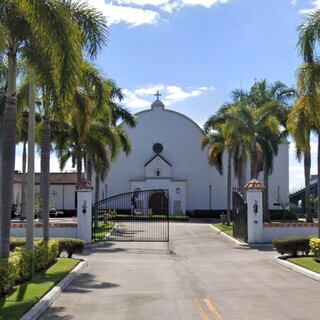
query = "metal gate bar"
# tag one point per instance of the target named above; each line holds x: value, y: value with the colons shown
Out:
x: 240, y: 219
x: 141, y: 215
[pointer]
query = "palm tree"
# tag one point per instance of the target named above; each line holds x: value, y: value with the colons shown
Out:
x: 90, y: 34
x: 309, y: 81
x: 300, y: 128
x: 44, y: 25
x: 220, y: 139
x: 277, y: 97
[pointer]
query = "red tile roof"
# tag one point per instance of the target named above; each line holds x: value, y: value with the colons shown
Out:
x: 66, y: 178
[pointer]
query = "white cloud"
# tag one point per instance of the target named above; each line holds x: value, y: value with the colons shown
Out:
x: 143, y: 2
x: 132, y: 100
x: 294, y: 2
x: 139, y: 12
x: 144, y: 96
x: 125, y: 14
x: 204, y: 3
x: 316, y: 5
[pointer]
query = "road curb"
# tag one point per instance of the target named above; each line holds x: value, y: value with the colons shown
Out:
x: 235, y: 241
x: 279, y: 259
x: 40, y: 307
x: 298, y: 269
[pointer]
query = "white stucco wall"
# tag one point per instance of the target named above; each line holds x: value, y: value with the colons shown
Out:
x: 54, y: 232
x: 62, y: 195
x: 272, y: 233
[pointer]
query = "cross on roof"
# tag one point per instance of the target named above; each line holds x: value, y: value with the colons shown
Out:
x: 158, y: 95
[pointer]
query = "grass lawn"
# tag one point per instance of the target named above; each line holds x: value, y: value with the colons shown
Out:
x: 102, y: 230
x: 306, y: 262
x: 223, y: 227
x: 29, y: 293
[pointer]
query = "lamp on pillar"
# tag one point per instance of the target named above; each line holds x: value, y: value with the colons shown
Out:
x: 255, y: 207
x: 84, y: 207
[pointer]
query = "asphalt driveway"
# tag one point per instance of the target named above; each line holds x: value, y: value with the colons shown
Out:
x: 200, y: 275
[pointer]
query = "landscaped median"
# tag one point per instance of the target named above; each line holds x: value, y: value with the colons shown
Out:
x: 295, y: 252
x: 27, y: 294
x: 20, y: 289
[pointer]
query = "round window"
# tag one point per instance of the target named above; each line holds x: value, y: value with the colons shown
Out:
x: 157, y: 147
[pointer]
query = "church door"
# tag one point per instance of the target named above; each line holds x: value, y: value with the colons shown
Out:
x: 159, y: 203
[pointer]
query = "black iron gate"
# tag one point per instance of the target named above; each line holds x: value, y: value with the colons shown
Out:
x: 141, y: 215
x: 239, y: 214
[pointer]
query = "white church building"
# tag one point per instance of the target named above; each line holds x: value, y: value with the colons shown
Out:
x: 166, y: 154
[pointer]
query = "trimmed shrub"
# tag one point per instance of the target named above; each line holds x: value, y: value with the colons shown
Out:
x: 315, y: 246
x: 45, y: 253
x: 17, y: 242
x: 71, y: 246
x: 9, y: 274
x: 202, y: 213
x: 24, y: 260
x: 280, y: 216
x: 292, y: 245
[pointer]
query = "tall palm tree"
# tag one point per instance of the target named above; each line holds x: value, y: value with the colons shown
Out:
x: 46, y: 25
x: 220, y: 139
x: 277, y: 97
x: 22, y: 137
x: 300, y: 128
x: 309, y: 82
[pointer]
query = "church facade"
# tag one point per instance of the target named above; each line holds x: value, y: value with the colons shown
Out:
x: 166, y: 154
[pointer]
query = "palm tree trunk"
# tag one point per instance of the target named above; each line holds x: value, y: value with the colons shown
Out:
x: 45, y: 171
x: 79, y: 164
x: 229, y: 189
x: 89, y: 168
x: 7, y: 173
x: 30, y: 175
x: 242, y: 177
x: 318, y: 183
x: 266, y: 214
x: 254, y: 161
x: 8, y: 152
x: 307, y: 169
x: 97, y: 187
x: 24, y: 180
x: 97, y: 182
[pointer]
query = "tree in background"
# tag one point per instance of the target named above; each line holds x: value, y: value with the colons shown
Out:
x: 309, y: 78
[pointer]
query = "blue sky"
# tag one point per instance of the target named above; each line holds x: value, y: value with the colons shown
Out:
x: 195, y: 52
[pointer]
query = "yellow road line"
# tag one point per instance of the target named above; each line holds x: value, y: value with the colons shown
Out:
x: 213, y: 310
x: 201, y: 310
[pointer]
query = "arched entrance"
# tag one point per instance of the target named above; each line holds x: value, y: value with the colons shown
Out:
x: 159, y: 203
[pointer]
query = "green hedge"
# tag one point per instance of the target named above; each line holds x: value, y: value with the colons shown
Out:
x: 18, y: 267
x: 17, y: 242
x: 119, y: 217
x: 9, y: 274
x: 293, y: 245
x: 24, y: 260
x: 44, y: 253
x: 315, y: 246
x: 280, y: 216
x: 210, y: 214
x: 71, y: 246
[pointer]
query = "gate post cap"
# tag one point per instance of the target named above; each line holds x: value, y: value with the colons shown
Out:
x: 254, y: 184
x: 84, y: 184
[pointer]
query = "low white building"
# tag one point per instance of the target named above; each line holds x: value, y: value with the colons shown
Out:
x: 166, y: 154
x: 62, y: 190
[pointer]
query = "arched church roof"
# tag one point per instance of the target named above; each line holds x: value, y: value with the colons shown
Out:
x: 159, y: 103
